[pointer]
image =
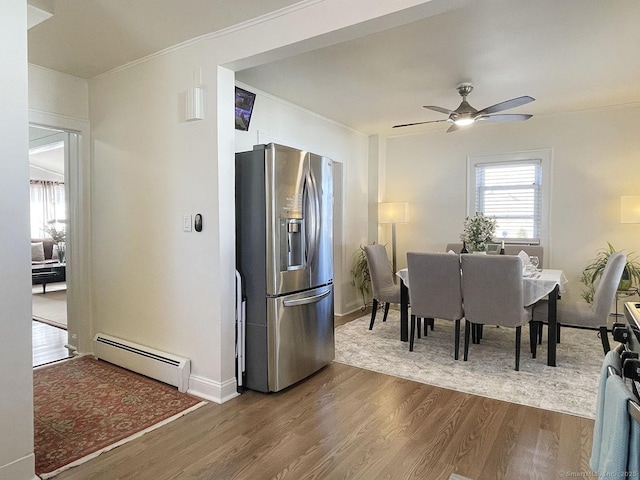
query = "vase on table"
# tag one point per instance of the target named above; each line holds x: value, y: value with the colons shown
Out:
x: 61, y: 252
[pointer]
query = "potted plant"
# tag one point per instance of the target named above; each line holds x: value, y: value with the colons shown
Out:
x: 593, y: 271
x: 478, y: 232
x: 59, y: 237
x: 360, y: 275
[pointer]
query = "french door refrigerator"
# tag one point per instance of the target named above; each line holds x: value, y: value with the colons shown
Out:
x: 284, y: 253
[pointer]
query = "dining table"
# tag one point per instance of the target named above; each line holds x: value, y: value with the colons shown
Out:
x: 536, y: 285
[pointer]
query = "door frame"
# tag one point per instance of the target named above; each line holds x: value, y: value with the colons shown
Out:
x: 78, y: 193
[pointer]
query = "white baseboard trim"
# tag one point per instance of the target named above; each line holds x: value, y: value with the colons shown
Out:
x: 211, y: 390
x: 352, y: 307
x: 20, y: 469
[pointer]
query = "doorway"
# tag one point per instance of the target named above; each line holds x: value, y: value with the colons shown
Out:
x: 48, y: 160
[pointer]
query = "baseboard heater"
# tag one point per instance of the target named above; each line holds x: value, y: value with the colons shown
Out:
x: 159, y: 365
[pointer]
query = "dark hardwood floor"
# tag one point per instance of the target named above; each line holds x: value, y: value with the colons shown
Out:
x: 349, y: 423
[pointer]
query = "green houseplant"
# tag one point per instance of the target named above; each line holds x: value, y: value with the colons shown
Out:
x: 478, y: 231
x: 360, y: 275
x: 593, y: 271
x: 58, y: 235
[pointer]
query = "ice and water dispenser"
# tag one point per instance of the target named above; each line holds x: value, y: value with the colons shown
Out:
x: 292, y: 236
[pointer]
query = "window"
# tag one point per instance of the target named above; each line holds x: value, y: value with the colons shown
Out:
x: 47, y: 206
x: 513, y: 188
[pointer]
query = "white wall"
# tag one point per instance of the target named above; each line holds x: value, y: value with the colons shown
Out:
x: 16, y: 394
x: 51, y: 91
x: 155, y: 284
x: 275, y: 120
x: 595, y: 161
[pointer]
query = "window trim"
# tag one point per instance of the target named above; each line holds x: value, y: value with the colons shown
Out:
x: 544, y: 155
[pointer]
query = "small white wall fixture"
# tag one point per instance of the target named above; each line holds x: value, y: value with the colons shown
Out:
x: 195, y: 104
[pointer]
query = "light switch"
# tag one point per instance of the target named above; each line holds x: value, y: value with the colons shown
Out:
x: 187, y: 223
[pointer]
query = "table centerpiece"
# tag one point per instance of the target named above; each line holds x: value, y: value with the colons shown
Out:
x: 478, y: 232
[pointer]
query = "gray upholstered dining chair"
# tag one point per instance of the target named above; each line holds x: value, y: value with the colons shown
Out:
x: 493, y: 294
x: 594, y: 315
x: 435, y: 291
x: 385, y: 290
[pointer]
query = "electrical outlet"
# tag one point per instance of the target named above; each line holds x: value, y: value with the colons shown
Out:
x: 187, y: 223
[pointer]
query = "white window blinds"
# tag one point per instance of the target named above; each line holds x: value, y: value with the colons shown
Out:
x: 511, y: 191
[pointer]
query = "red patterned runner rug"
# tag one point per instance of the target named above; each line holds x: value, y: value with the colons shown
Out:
x: 84, y: 406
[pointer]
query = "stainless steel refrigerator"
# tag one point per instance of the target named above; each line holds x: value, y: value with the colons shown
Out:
x: 284, y: 253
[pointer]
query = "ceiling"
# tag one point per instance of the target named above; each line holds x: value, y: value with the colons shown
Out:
x: 46, y: 150
x: 49, y: 159
x: 570, y: 55
x: 88, y: 37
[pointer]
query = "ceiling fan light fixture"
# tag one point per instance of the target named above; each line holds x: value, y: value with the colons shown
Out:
x: 464, y: 121
x: 465, y: 114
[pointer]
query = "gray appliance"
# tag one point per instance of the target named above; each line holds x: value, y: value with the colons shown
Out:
x: 284, y: 245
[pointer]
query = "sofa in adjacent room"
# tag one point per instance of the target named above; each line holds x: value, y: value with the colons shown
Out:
x: 42, y: 250
x: 45, y: 267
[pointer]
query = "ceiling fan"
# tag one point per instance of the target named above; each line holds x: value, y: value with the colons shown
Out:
x: 465, y: 114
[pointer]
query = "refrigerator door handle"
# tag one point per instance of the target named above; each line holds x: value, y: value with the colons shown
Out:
x: 312, y: 193
x: 306, y: 300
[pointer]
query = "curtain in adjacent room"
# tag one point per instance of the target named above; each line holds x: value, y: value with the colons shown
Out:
x: 47, y: 205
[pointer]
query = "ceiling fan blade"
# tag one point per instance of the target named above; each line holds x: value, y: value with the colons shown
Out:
x: 446, y: 111
x: 506, y: 105
x: 505, y: 117
x: 419, y: 123
x: 453, y: 128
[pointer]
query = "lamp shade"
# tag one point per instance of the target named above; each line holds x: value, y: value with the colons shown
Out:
x: 397, y: 212
x: 630, y: 209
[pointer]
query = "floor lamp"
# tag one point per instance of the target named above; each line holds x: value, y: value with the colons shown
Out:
x: 393, y: 213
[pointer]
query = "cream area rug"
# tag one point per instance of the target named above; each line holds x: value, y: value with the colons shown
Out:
x: 571, y: 387
x: 50, y: 307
